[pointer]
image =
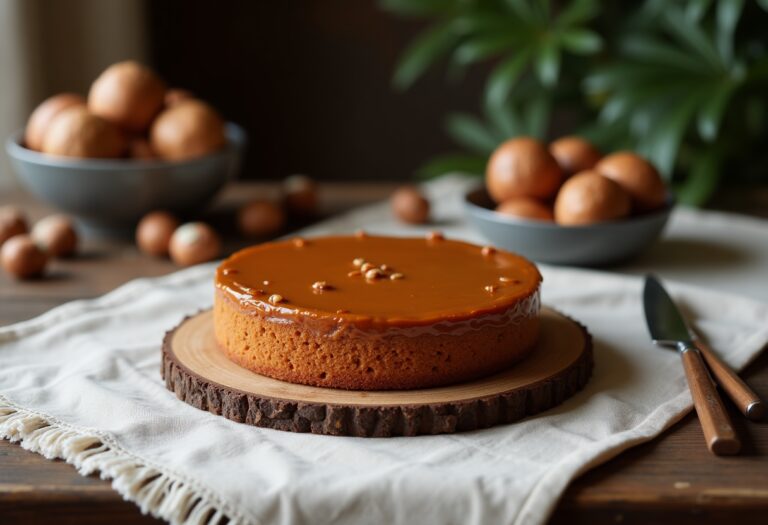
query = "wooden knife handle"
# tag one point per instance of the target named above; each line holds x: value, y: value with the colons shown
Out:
x: 718, y: 432
x: 739, y: 392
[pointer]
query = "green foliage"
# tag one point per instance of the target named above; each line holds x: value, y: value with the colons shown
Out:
x: 683, y: 82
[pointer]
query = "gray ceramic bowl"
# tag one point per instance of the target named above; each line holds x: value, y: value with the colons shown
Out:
x: 110, y: 195
x: 593, y: 245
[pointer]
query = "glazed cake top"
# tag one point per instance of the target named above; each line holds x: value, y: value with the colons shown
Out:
x: 371, y: 279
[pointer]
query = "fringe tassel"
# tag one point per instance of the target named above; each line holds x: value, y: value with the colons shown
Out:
x: 153, y: 491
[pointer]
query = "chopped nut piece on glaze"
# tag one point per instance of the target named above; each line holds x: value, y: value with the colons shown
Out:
x: 229, y: 271
x: 354, y: 273
x: 275, y: 298
x: 373, y: 274
x: 299, y: 242
x: 384, y: 268
x: 490, y: 288
x: 506, y: 279
x: 366, y: 267
x: 435, y: 236
x: 488, y: 250
x: 320, y: 286
x: 361, y: 234
x: 265, y: 283
x: 396, y: 276
x: 358, y: 261
x: 342, y: 311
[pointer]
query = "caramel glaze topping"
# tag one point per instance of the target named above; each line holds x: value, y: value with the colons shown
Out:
x: 377, y: 282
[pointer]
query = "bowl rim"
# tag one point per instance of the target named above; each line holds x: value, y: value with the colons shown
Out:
x: 490, y: 215
x: 236, y: 138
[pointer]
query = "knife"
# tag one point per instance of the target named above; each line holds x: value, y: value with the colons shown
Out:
x: 668, y: 330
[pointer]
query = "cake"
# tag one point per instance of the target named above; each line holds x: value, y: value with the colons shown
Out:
x: 376, y: 313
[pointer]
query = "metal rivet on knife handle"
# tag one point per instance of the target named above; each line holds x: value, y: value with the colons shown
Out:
x: 719, y: 434
x: 739, y: 392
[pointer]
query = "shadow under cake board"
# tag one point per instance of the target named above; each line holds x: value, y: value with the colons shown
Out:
x: 201, y: 375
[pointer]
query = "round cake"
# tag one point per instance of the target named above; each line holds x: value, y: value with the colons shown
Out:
x: 376, y: 313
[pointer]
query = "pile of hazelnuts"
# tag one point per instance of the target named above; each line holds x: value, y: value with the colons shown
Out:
x: 570, y: 182
x: 129, y: 113
x: 160, y: 233
x: 25, y: 254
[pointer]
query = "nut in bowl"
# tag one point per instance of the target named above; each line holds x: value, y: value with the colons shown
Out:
x: 122, y: 152
x: 608, y: 211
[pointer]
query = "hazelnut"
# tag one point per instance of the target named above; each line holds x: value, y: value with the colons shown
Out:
x: 175, y: 95
x: 140, y: 148
x: 189, y: 129
x: 300, y: 195
x: 75, y: 132
x: 22, y: 258
x: 194, y: 243
x: 154, y: 232
x: 522, y: 167
x: 127, y: 94
x: 637, y: 176
x: 409, y: 205
x: 43, y: 115
x: 588, y: 197
x: 12, y: 222
x: 260, y: 218
x: 526, y: 208
x: 56, y: 235
x: 574, y: 154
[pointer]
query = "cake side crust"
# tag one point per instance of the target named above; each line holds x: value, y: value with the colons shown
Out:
x: 347, y: 359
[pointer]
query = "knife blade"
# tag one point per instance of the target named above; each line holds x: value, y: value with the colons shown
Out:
x: 668, y: 329
x: 665, y: 323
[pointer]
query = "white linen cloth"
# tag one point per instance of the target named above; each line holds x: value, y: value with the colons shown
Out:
x: 82, y: 383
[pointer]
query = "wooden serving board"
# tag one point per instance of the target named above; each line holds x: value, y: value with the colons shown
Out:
x: 199, y: 374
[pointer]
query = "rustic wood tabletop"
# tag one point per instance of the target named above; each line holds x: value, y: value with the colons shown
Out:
x: 673, y: 479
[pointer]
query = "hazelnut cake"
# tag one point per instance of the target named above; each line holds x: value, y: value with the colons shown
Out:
x: 376, y: 313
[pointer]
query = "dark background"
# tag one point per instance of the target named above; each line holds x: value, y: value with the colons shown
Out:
x: 311, y: 82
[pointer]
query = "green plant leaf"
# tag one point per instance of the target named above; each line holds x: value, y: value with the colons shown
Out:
x: 581, y: 41
x: 695, y: 9
x: 483, y: 47
x: 662, y: 145
x: 423, y: 52
x: 453, y: 163
x: 505, y: 119
x: 763, y: 4
x: 578, y: 12
x: 653, y: 51
x: 547, y: 63
x: 692, y: 36
x: 728, y: 14
x: 711, y: 113
x: 504, y: 77
x: 522, y: 9
x: 536, y: 115
x: 701, y: 180
x: 471, y: 133
x: 487, y: 23
x: 417, y: 7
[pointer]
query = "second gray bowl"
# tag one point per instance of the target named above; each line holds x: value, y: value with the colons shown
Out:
x: 546, y: 242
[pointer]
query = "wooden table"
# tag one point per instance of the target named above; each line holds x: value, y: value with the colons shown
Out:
x: 672, y: 479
